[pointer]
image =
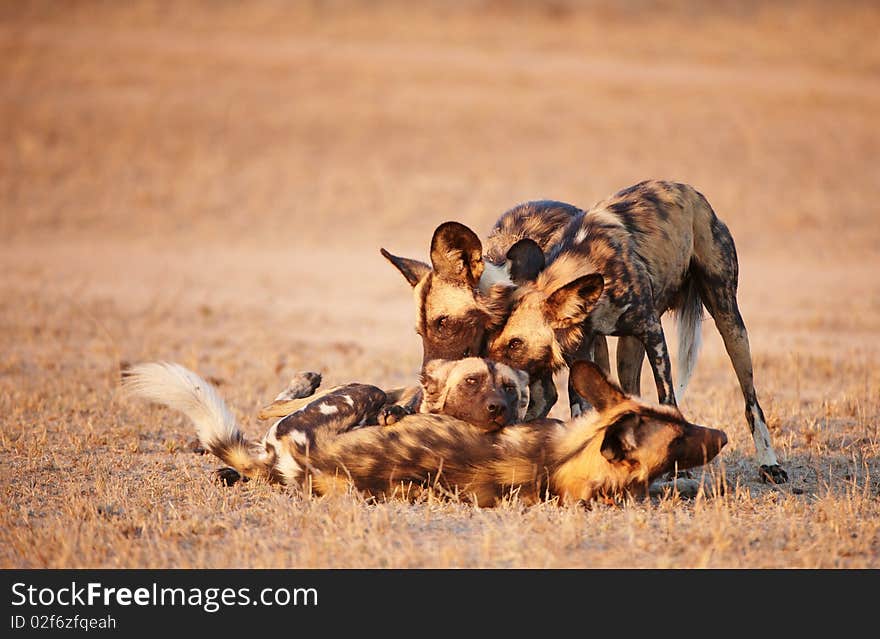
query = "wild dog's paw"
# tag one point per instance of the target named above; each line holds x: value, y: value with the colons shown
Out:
x: 774, y: 474
x: 393, y: 414
x: 303, y: 384
x: 229, y: 476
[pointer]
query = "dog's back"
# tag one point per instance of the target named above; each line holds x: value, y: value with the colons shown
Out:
x: 543, y: 221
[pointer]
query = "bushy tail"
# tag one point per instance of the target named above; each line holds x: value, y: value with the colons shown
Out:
x: 180, y: 389
x: 689, y: 317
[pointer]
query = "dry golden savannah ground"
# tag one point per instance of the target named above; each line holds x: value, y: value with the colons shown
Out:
x: 210, y: 184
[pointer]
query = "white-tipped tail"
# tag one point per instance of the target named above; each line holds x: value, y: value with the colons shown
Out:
x: 180, y: 389
x: 689, y: 318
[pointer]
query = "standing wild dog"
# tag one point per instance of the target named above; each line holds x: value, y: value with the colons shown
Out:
x: 617, y: 449
x: 463, y: 295
x: 652, y: 247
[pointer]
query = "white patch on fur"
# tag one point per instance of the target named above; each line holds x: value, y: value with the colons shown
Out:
x: 581, y: 235
x: 290, y: 471
x: 328, y: 409
x: 658, y: 351
x: 288, y: 468
x: 348, y: 400
x: 761, y: 435
x: 299, y: 437
x: 494, y: 274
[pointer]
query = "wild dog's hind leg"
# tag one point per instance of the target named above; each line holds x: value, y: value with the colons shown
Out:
x: 722, y: 305
x: 303, y: 385
x: 717, y: 270
x: 630, y: 354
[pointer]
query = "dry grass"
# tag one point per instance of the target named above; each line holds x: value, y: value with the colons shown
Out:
x: 211, y: 186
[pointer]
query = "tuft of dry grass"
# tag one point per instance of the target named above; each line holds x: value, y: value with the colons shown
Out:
x: 211, y: 184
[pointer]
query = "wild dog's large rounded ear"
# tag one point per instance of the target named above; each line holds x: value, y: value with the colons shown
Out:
x: 591, y: 383
x: 570, y: 304
x: 457, y: 253
x: 525, y: 260
x: 433, y: 379
x: 412, y: 270
x: 620, y: 438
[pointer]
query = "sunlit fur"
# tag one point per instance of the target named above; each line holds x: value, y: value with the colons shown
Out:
x: 659, y: 246
x: 462, y: 294
x: 462, y: 388
x: 611, y: 452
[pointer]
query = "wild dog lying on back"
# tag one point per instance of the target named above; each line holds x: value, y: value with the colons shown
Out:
x: 618, y: 448
x: 652, y: 247
x: 487, y: 394
x: 462, y: 296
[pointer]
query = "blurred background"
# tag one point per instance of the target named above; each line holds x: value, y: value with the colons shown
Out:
x: 193, y: 156
x: 290, y: 121
x: 209, y: 182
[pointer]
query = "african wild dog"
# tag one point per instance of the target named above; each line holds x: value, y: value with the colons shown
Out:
x: 463, y: 295
x: 652, y: 247
x: 488, y: 395
x: 484, y: 393
x: 617, y: 449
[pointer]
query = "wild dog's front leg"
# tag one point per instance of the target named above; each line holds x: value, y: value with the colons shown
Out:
x: 655, y: 346
x: 335, y: 412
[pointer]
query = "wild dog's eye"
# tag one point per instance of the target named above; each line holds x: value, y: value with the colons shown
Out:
x: 470, y: 381
x: 515, y: 344
x: 441, y: 322
x: 510, y: 389
x: 467, y: 352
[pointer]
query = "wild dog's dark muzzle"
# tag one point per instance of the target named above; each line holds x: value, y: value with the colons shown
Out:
x: 498, y: 411
x: 699, y: 445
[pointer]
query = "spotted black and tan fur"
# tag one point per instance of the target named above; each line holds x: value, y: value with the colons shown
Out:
x: 465, y: 294
x: 615, y: 450
x: 486, y: 394
x: 652, y: 247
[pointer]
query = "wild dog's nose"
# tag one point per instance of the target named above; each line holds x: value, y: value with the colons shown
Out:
x: 493, y: 407
x: 700, y: 446
x: 714, y: 441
